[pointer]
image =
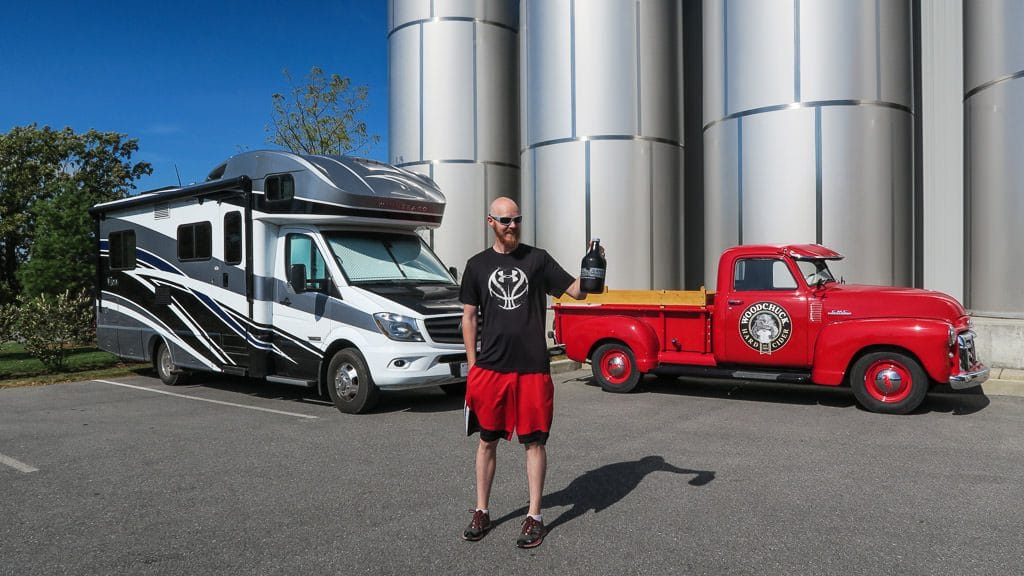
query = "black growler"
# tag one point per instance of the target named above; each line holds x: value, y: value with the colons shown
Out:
x: 593, y: 268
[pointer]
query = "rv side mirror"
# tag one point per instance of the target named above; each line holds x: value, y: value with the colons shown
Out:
x: 297, y: 278
x: 454, y: 271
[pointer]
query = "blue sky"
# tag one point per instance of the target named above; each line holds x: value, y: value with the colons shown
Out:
x: 191, y: 81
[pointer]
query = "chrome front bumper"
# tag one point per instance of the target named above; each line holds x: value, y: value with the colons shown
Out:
x: 969, y: 379
x: 972, y: 372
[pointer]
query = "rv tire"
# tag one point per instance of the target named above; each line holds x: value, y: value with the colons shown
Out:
x: 169, y: 373
x: 349, y: 382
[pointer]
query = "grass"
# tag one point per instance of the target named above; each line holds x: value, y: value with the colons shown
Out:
x: 18, y: 368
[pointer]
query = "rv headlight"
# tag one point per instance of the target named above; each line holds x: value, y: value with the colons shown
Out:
x: 398, y: 327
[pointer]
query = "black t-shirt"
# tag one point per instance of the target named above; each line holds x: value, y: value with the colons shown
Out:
x: 510, y: 290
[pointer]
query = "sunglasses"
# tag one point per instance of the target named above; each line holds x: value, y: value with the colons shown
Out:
x: 506, y: 220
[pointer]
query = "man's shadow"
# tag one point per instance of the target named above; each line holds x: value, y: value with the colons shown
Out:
x: 600, y: 488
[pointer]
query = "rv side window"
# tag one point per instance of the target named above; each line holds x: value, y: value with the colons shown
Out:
x: 121, y: 246
x: 280, y: 187
x: 301, y: 250
x: 195, y: 241
x: 233, y: 238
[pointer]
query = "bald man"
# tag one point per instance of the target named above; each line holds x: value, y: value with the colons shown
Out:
x: 509, y: 387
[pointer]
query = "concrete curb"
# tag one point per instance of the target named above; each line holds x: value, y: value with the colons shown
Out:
x: 1001, y: 382
x: 1004, y: 382
x: 561, y: 366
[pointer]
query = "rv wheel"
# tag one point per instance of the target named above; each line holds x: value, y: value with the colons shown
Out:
x: 169, y: 374
x: 349, y: 383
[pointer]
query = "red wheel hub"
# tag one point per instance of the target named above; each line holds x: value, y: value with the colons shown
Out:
x: 616, y: 367
x: 888, y: 381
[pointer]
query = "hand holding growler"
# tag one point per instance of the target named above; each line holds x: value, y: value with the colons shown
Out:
x: 592, y: 269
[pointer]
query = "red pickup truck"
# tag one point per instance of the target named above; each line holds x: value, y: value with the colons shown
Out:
x: 778, y: 315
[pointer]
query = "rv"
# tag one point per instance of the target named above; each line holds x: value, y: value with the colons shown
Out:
x: 305, y: 270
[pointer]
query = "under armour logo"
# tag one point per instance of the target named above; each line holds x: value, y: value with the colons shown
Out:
x: 502, y: 275
x: 509, y: 286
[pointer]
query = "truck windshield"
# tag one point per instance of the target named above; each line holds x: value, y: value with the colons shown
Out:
x: 382, y: 257
x: 815, y: 271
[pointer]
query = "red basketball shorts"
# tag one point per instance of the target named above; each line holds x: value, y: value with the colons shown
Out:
x: 500, y: 403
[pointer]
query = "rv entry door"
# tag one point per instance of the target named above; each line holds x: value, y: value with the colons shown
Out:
x: 300, y: 321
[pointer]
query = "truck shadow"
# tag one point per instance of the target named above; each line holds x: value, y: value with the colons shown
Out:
x: 941, y: 399
x: 603, y: 487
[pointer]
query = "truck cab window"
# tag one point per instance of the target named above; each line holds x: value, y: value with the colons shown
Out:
x: 121, y: 246
x: 233, y: 238
x: 301, y: 250
x: 762, y: 274
x: 815, y: 271
x: 195, y: 241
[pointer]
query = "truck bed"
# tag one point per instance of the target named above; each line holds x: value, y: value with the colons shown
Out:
x: 643, y: 298
x: 680, y: 320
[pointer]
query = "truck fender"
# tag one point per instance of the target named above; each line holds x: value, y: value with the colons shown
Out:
x: 840, y: 343
x: 634, y: 333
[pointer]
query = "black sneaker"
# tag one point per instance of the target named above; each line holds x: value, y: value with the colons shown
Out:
x: 478, y: 526
x: 532, y: 533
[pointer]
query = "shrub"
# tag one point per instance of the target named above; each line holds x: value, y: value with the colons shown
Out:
x: 6, y: 324
x: 48, y: 324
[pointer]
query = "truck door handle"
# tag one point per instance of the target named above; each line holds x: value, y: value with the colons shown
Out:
x: 286, y: 301
x: 735, y: 302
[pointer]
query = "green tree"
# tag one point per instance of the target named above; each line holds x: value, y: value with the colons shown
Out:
x: 321, y: 117
x: 46, y: 170
x: 63, y: 253
x: 30, y: 161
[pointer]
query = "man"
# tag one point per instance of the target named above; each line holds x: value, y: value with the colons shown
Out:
x: 509, y: 387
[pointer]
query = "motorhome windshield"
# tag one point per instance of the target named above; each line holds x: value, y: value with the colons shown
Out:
x: 381, y: 257
x: 815, y: 271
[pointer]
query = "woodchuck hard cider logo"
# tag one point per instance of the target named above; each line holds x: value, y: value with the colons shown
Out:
x: 765, y: 327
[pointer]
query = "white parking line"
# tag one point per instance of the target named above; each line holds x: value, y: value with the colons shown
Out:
x: 208, y: 400
x: 16, y: 464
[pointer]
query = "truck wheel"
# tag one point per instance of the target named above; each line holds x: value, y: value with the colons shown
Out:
x: 615, y: 367
x: 169, y: 373
x: 349, y: 383
x: 888, y: 382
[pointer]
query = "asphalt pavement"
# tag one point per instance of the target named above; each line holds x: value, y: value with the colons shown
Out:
x: 682, y: 477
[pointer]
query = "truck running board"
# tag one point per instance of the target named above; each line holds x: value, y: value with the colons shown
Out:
x: 747, y: 374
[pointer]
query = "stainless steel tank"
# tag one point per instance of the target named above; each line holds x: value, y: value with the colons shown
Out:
x: 453, y: 114
x: 994, y: 138
x: 602, y: 154
x: 808, y: 127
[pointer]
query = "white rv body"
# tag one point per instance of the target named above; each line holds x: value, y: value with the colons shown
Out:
x: 203, y: 278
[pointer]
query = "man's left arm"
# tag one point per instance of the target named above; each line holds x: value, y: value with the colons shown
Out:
x: 574, y: 290
x: 556, y: 277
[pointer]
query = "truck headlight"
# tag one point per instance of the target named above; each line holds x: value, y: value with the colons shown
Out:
x: 398, y: 327
x: 952, y: 336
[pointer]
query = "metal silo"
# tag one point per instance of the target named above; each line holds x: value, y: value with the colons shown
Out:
x: 994, y: 135
x: 602, y: 134
x: 808, y: 126
x: 453, y: 68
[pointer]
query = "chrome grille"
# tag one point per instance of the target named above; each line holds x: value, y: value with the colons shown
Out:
x: 968, y: 355
x: 445, y: 329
